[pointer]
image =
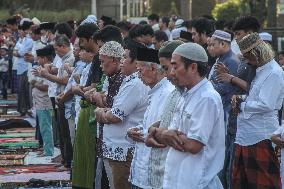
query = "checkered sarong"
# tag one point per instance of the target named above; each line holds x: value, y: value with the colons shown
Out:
x: 256, y: 167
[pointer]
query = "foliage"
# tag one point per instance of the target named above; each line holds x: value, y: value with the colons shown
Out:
x: 164, y: 7
x: 228, y: 10
x: 51, y: 16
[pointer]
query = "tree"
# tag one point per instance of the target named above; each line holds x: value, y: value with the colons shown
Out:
x: 228, y: 10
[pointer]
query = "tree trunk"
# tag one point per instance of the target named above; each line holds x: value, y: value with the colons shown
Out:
x: 272, y: 13
x: 184, y: 9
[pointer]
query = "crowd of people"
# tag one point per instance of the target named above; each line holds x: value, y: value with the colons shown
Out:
x: 165, y: 103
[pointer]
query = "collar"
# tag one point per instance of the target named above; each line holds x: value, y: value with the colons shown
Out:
x: 226, y: 55
x: 67, y: 55
x: 131, y: 77
x: 259, y: 69
x: 158, y: 85
x: 196, y: 87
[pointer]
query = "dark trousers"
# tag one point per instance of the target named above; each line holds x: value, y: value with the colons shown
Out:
x: 4, y: 81
x: 64, y: 137
x: 23, y: 94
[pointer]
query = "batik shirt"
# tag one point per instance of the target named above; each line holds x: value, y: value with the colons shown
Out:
x: 129, y: 106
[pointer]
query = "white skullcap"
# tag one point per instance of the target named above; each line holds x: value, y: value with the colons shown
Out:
x: 176, y: 32
x: 192, y: 51
x: 90, y: 19
x: 225, y: 36
x: 265, y: 36
x: 36, y: 21
x: 112, y: 49
x: 178, y: 23
x: 25, y: 19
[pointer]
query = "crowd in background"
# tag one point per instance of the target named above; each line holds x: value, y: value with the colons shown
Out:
x: 166, y: 103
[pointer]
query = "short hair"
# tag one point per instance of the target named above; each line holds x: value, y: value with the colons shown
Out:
x: 86, y: 30
x: 160, y: 36
x: 166, y: 20
x: 124, y: 25
x: 143, y: 22
x: 132, y: 46
x: 147, y: 30
x: 202, y: 67
x: 135, y: 31
x: 187, y: 23
x: 62, y: 40
x: 64, y: 28
x: 247, y: 23
x: 108, y: 33
x: 153, y: 17
x: 203, y: 25
x: 220, y: 24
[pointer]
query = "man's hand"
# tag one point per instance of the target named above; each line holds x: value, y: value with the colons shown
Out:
x: 151, y: 140
x: 36, y: 72
x: 221, y: 68
x: 276, y: 139
x: 76, y: 89
x: 224, y: 78
x: 135, y: 134
x: 77, y: 78
x: 100, y: 114
x: 29, y: 57
x: 171, y: 138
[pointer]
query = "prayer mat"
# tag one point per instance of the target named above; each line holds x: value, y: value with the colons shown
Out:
x: 29, y: 169
x: 8, y: 102
x: 17, y: 135
x: 12, y: 159
x: 24, y: 144
x: 20, y: 130
x: 13, y: 140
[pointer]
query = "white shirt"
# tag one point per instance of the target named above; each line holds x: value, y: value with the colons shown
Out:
x: 259, y: 112
x: 51, y: 85
x: 83, y: 81
x: 129, y: 106
x: 199, y: 114
x: 156, y: 99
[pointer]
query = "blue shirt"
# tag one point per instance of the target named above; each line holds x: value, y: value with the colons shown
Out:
x: 226, y: 90
x: 26, y: 47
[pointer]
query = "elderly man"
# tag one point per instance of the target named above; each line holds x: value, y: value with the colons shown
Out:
x: 127, y: 111
x: 159, y: 152
x: 256, y: 164
x: 196, y: 135
x: 152, y: 74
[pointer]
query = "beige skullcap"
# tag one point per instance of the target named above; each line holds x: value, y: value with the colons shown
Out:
x: 112, y: 49
x: 192, y: 51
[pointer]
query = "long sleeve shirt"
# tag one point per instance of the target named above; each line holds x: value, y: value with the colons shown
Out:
x: 259, y: 112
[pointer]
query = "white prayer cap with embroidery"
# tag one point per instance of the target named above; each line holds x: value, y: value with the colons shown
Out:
x: 225, y: 36
x: 90, y: 19
x: 112, y: 49
x: 265, y: 36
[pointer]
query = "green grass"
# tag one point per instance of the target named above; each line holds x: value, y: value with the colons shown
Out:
x: 51, y: 16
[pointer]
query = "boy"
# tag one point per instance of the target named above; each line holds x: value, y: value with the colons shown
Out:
x: 42, y: 102
x: 4, y: 67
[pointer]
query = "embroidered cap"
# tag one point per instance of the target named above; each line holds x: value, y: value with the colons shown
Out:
x: 186, y: 35
x: 265, y: 36
x: 192, y: 51
x: 168, y: 48
x: 148, y: 55
x: 249, y: 42
x: 112, y: 49
x: 225, y: 36
x: 91, y: 19
x: 46, y: 51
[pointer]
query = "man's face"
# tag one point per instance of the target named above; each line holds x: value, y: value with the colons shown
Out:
x: 157, y: 43
x: 180, y: 73
x: 151, y: 22
x: 40, y: 60
x: 239, y: 34
x: 126, y: 65
x: 147, y: 39
x: 60, y: 50
x: 210, y: 47
x: 146, y: 73
x: 108, y: 64
x: 196, y: 36
x: 217, y: 47
x: 167, y: 67
x: 281, y: 59
x: 35, y: 37
x: 250, y: 58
